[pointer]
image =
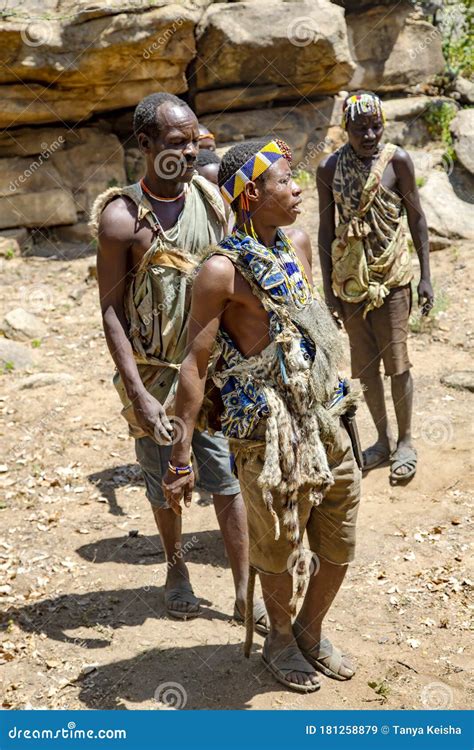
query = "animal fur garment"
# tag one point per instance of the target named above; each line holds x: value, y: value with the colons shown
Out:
x: 300, y: 426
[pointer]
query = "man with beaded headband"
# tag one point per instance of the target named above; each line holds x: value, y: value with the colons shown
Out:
x: 150, y: 234
x: 366, y: 193
x: 282, y: 402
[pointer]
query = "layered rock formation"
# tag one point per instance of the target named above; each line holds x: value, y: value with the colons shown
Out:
x: 72, y: 73
x: 72, y: 62
x: 393, y: 48
x: 250, y: 54
x: 50, y: 176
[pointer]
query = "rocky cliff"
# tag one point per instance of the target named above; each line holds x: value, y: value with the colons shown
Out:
x: 72, y: 73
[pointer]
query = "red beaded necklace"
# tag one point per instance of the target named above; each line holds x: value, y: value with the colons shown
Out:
x: 157, y: 197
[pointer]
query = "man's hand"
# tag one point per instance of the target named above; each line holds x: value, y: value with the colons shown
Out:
x: 425, y: 296
x: 152, y: 418
x: 176, y: 488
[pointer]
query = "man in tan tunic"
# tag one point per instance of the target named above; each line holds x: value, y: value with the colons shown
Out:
x: 149, y: 235
x: 367, y: 269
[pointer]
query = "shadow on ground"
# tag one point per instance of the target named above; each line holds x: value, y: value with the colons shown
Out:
x: 201, y: 547
x: 197, y: 677
x: 107, y: 481
x: 99, y: 611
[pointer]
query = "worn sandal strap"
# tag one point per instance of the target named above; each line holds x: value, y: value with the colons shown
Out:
x: 289, y: 659
x: 181, y: 594
x: 330, y: 655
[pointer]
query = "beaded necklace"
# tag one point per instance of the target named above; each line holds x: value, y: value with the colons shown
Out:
x: 169, y: 235
x: 157, y: 197
x: 285, y: 258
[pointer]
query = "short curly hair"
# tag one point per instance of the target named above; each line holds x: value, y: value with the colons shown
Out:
x: 206, y: 156
x: 146, y: 119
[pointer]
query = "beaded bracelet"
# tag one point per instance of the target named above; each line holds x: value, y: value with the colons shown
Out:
x: 180, y: 471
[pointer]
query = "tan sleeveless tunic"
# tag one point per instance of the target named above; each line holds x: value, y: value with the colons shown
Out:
x: 157, y: 298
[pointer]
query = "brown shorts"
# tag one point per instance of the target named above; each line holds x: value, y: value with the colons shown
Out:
x: 381, y: 336
x: 330, y: 526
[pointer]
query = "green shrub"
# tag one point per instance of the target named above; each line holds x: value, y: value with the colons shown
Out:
x: 304, y: 178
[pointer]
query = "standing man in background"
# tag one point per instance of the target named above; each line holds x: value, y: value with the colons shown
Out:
x: 367, y: 269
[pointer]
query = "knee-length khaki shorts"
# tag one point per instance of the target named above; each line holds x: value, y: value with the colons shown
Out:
x: 330, y: 526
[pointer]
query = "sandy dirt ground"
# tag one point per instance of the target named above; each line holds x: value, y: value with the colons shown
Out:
x: 82, y: 567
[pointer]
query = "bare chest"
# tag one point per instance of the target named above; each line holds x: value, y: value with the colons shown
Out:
x: 245, y: 319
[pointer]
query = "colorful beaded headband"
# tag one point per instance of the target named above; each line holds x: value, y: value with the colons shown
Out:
x: 362, y: 104
x: 253, y: 168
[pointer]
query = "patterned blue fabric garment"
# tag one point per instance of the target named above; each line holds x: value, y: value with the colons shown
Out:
x: 277, y: 271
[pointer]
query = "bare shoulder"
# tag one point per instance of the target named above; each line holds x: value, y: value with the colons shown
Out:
x: 217, y: 272
x: 402, y: 160
x: 300, y: 239
x: 327, y: 168
x: 117, y: 220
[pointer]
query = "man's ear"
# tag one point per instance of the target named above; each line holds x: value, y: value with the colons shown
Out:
x: 144, y: 143
x: 252, y: 191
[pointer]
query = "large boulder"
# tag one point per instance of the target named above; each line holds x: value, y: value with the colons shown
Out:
x: 250, y: 53
x: 63, y: 61
x: 299, y: 126
x: 54, y: 174
x: 90, y: 162
x: 393, y: 48
x: 37, y: 201
x: 462, y: 130
x: 407, y: 119
x: 447, y: 214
